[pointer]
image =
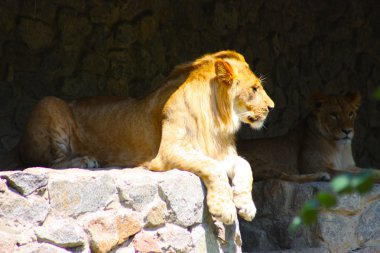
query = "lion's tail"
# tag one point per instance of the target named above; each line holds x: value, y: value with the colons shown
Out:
x: 11, y: 160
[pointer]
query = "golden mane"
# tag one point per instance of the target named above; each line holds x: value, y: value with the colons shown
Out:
x: 207, y: 59
x: 199, y: 76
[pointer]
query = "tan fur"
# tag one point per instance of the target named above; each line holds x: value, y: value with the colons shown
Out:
x: 319, y: 147
x: 189, y: 123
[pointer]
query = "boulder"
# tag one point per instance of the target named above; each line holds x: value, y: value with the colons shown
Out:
x: 353, y: 225
x: 114, y: 210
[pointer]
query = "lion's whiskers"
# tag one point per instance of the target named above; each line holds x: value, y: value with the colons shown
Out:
x: 262, y: 78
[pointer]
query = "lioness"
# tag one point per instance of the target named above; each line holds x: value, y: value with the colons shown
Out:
x: 319, y: 147
x: 189, y: 123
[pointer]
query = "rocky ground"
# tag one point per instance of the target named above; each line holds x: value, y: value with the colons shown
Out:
x: 118, y: 211
x: 352, y: 226
x: 134, y: 210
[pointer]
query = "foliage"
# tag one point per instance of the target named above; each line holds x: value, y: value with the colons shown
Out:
x: 376, y: 94
x: 342, y: 184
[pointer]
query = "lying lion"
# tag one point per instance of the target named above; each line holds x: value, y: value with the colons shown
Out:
x: 315, y: 150
x: 188, y: 123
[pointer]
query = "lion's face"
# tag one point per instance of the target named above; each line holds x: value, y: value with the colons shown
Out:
x: 252, y: 104
x: 335, y: 115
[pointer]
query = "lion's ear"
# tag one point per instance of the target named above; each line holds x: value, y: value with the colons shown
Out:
x: 317, y: 99
x: 224, y: 72
x: 353, y: 97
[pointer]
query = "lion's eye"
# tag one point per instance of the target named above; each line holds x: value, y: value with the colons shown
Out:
x: 333, y: 115
x: 254, y: 89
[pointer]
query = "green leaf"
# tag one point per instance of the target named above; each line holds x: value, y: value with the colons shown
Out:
x: 376, y: 174
x: 309, y: 212
x: 363, y: 182
x: 376, y: 94
x: 327, y: 199
x: 342, y: 183
x: 296, y: 223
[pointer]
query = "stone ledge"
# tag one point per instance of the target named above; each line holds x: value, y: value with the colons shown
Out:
x: 352, y: 226
x: 116, y: 210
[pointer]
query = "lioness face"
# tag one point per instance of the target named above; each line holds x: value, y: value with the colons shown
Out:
x: 251, y: 104
x: 335, y: 116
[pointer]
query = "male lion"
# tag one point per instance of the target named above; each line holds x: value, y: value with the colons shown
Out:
x: 189, y: 123
x: 319, y: 147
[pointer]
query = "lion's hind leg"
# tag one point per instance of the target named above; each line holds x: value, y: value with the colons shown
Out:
x: 297, y: 178
x: 304, y: 178
x: 49, y: 138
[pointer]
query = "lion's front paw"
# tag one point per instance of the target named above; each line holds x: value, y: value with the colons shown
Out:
x: 222, y: 209
x: 84, y: 162
x: 248, y: 212
x: 246, y: 207
x: 324, y: 176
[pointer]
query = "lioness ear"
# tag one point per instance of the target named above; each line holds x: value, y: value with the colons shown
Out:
x: 317, y: 99
x: 224, y: 72
x: 353, y: 97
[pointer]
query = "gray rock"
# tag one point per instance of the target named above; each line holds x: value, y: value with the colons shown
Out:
x: 28, y: 29
x: 147, y: 241
x: 31, y: 210
x: 183, y: 193
x: 79, y: 85
x: 337, y: 231
x: 156, y: 214
x: 126, y: 35
x: 3, y: 185
x: 175, y: 238
x: 61, y: 232
x: 86, y: 197
x: 121, y: 65
x: 101, y: 39
x: 225, y: 17
x: 40, y: 248
x: 95, y: 63
x: 76, y: 5
x: 7, y: 242
x: 352, y: 224
x: 368, y: 229
x: 137, y: 188
x: 108, y: 229
x: 26, y: 183
x: 204, y: 239
x: 370, y: 249
x: 75, y: 195
x: 44, y: 11
x: 73, y: 28
x: 131, y: 10
x: 309, y: 250
x: 8, y: 16
x: 104, y: 12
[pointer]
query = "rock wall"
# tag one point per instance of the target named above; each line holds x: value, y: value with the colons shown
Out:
x: 135, y: 210
x: 75, y: 48
x: 118, y: 211
x: 352, y: 226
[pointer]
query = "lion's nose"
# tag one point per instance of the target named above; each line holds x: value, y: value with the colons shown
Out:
x: 270, y: 108
x: 347, y: 131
